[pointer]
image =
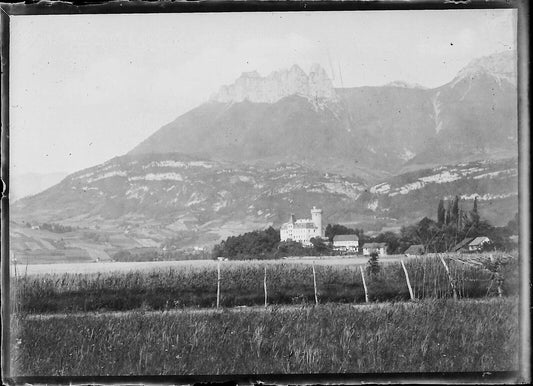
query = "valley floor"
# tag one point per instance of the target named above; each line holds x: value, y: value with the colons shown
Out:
x: 426, y: 336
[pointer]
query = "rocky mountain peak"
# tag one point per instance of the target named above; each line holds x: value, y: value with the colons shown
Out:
x: 501, y: 65
x: 315, y: 86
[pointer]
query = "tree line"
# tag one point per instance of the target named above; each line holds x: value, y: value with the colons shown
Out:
x: 266, y: 244
x: 452, y: 226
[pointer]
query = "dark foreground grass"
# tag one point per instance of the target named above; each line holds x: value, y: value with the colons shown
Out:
x: 428, y: 336
x: 242, y: 285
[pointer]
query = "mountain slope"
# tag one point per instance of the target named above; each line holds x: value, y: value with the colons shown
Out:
x: 416, y: 194
x: 364, y: 131
x: 164, y: 195
x: 267, y: 147
x: 166, y: 189
x: 475, y: 114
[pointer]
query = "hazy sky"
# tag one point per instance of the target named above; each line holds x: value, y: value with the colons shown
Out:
x: 86, y: 88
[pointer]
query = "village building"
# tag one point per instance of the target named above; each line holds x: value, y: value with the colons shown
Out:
x: 303, y: 230
x: 471, y: 244
x: 477, y: 244
x: 345, y: 243
x: 415, y: 250
x: 379, y: 248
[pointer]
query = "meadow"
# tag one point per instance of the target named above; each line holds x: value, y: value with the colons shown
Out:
x: 242, y: 284
x: 438, y: 335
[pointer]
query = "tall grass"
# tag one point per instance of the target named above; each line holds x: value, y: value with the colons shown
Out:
x: 428, y: 336
x: 242, y: 284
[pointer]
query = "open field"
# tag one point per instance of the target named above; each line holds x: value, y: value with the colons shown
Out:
x: 242, y: 284
x: 427, y: 336
x: 115, y: 266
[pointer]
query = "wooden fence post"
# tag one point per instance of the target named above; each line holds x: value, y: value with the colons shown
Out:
x: 408, y: 282
x: 14, y: 261
x: 364, y: 284
x: 452, y: 282
x: 314, y: 282
x: 265, y: 285
x: 218, y: 285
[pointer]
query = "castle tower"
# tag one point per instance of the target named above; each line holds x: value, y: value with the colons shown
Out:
x: 316, y: 217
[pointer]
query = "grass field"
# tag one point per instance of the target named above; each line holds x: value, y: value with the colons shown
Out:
x: 117, y: 266
x: 426, y: 336
x: 242, y: 285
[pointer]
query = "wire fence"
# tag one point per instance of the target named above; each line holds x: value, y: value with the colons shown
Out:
x: 233, y: 284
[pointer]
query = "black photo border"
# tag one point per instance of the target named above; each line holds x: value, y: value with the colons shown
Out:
x: 523, y: 375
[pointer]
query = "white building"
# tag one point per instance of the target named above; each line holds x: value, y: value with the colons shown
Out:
x: 346, y: 243
x: 303, y: 230
x: 380, y: 248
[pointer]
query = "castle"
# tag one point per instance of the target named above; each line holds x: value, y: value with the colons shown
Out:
x: 303, y: 230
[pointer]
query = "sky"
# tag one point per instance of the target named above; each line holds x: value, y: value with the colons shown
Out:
x: 87, y: 88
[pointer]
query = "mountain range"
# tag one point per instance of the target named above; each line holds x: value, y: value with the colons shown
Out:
x: 371, y: 132
x: 264, y: 147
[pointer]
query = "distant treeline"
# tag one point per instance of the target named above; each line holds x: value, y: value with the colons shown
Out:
x: 156, y: 254
x: 452, y: 226
x: 266, y: 244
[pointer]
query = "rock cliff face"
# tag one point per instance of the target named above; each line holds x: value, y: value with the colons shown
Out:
x: 316, y: 86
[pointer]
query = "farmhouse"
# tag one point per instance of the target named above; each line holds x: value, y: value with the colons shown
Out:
x: 303, y: 230
x: 477, y: 244
x: 346, y: 243
x: 415, y: 250
x: 471, y: 244
x: 380, y: 248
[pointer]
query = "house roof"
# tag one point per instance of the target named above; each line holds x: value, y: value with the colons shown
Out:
x: 462, y: 244
x: 479, y: 240
x: 416, y: 249
x: 374, y: 245
x: 345, y: 238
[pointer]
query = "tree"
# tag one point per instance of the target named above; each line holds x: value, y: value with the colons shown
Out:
x: 373, y: 266
x: 391, y: 239
x: 474, y: 215
x: 513, y: 226
x: 319, y: 246
x: 448, y: 217
x: 256, y: 244
x: 441, y: 213
x: 337, y: 229
x: 455, y: 210
x: 428, y: 231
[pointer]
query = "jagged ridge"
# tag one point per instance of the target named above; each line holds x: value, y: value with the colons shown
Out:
x: 277, y: 85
